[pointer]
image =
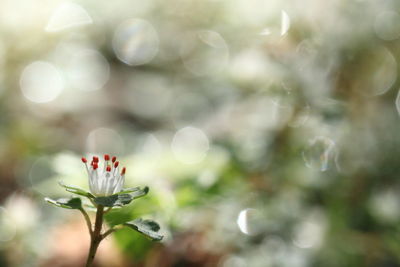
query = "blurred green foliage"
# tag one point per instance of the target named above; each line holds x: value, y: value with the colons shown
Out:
x: 267, y: 131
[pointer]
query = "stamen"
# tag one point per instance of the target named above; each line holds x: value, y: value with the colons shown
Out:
x: 106, y: 157
x: 116, y: 164
x: 95, y: 159
x: 123, y: 171
x: 114, y: 159
x: 84, y: 160
x: 108, y: 168
x: 95, y: 166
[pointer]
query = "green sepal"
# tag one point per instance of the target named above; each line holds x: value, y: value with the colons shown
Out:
x: 121, y: 198
x: 148, y: 228
x: 76, y: 190
x: 109, y: 201
x: 66, y: 203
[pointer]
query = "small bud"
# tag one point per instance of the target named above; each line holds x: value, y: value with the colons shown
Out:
x: 116, y: 164
x: 106, y: 157
x: 108, y: 168
x: 114, y: 159
x: 84, y: 160
x: 123, y: 171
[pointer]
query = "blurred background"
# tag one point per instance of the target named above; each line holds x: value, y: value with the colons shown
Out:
x: 268, y: 131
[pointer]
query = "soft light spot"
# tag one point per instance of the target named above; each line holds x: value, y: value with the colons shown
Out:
x: 204, y: 53
x: 190, y: 145
x: 249, y: 66
x: 88, y: 70
x: 234, y: 261
x: 244, y: 221
x: 135, y: 42
x: 282, y: 95
x: 310, y: 232
x: 149, y: 95
x: 319, y: 152
x: 23, y: 211
x: 265, y: 31
x: 378, y: 72
x: 384, y: 205
x: 301, y: 117
x: 7, y: 226
x: 41, y: 82
x: 387, y: 25
x: 397, y: 102
x: 276, y: 30
x: 273, y: 248
x: 152, y: 146
x: 68, y: 15
x: 207, y: 178
x: 104, y: 141
x: 308, y: 235
x: 285, y: 22
x: 40, y: 173
x: 66, y: 164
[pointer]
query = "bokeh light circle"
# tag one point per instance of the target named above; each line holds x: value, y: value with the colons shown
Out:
x: 149, y: 95
x: 190, y: 145
x: 387, y: 25
x: 41, y: 82
x: 377, y: 72
x: 246, y: 221
x: 135, y: 42
x: 307, y: 235
x: 319, y: 152
x: 104, y: 141
x: 40, y: 173
x: 88, y: 70
x: 68, y: 15
x: 204, y: 53
x: 8, y: 228
x: 234, y: 261
x: 397, y: 102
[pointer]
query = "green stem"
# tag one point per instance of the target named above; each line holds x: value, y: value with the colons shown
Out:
x: 96, y: 237
x: 107, y: 210
x: 88, y: 222
x: 110, y: 231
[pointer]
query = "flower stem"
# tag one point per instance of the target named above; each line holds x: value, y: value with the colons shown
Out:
x: 88, y: 222
x: 96, y: 237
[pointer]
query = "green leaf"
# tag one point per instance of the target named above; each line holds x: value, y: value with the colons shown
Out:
x: 76, y: 190
x: 140, y: 193
x: 129, y: 190
x: 121, y: 199
x: 66, y: 203
x: 148, y: 228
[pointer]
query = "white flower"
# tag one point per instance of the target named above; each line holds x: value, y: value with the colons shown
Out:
x: 107, y: 180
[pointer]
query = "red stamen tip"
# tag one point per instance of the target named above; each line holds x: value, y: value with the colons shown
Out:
x: 108, y: 168
x: 84, y: 160
x: 95, y: 166
x: 95, y: 159
x: 106, y: 157
x: 123, y: 170
x: 114, y: 159
x: 116, y: 164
